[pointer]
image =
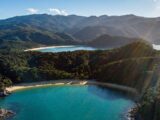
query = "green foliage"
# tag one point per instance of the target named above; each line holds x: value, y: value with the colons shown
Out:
x: 4, y: 82
x: 150, y: 105
x: 106, y: 66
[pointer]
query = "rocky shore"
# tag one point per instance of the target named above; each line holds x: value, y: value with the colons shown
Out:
x: 5, y: 114
x: 133, y: 113
x: 4, y: 93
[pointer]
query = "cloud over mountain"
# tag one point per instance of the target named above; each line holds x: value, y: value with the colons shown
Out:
x: 56, y: 11
x: 32, y: 10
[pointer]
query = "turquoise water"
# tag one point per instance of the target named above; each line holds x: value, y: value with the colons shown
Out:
x: 67, y: 103
x: 67, y: 48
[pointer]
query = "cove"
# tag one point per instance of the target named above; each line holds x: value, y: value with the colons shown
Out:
x: 67, y: 103
x: 66, y: 48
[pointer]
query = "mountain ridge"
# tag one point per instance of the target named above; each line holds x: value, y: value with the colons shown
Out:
x: 75, y: 29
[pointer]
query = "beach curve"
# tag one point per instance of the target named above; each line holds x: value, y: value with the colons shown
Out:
x: 70, y: 82
x: 47, y: 47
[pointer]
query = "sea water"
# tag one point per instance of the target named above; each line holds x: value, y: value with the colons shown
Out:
x: 67, y: 103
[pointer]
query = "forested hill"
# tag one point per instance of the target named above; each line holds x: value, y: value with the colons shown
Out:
x: 107, y: 41
x: 33, y: 66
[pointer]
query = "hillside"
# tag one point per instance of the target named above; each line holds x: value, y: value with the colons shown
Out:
x: 31, y: 29
x: 80, y: 64
x: 127, y: 26
x: 91, y: 32
x: 37, y: 36
x: 107, y: 41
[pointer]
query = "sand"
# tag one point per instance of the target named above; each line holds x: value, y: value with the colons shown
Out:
x: 46, y: 83
x: 41, y: 48
x: 71, y: 82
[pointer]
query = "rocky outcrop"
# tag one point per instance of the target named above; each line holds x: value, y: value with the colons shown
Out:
x: 133, y: 113
x: 4, y: 93
x: 5, y: 114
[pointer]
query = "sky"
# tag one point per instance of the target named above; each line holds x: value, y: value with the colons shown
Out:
x: 146, y: 8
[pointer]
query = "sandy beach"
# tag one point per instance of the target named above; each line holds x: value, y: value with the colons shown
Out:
x: 45, y: 83
x: 70, y: 82
x: 41, y: 48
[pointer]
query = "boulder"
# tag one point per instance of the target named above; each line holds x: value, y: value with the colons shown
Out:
x: 5, y: 113
x: 4, y: 93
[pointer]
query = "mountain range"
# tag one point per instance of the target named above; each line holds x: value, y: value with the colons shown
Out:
x: 46, y: 29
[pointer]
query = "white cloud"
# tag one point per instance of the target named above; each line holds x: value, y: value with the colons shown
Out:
x: 32, y: 10
x: 156, y: 10
x: 156, y: 1
x: 56, y: 11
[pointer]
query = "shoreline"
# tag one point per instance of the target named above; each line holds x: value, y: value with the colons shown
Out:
x: 71, y: 82
x: 47, y: 47
x: 44, y: 84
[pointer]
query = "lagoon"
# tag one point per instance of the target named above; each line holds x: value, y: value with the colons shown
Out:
x: 71, y: 48
x: 56, y: 49
x: 67, y: 102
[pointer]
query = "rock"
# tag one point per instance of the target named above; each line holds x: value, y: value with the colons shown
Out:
x: 4, y: 93
x: 5, y: 113
x: 132, y: 113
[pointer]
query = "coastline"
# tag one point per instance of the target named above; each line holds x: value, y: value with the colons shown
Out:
x: 47, y: 47
x: 43, y: 84
x: 70, y: 82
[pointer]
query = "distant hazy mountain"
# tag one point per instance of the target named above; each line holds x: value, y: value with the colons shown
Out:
x: 127, y: 26
x: 48, y: 29
x: 107, y: 41
x: 91, y: 32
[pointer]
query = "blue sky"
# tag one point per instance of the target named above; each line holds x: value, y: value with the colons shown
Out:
x: 148, y: 8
